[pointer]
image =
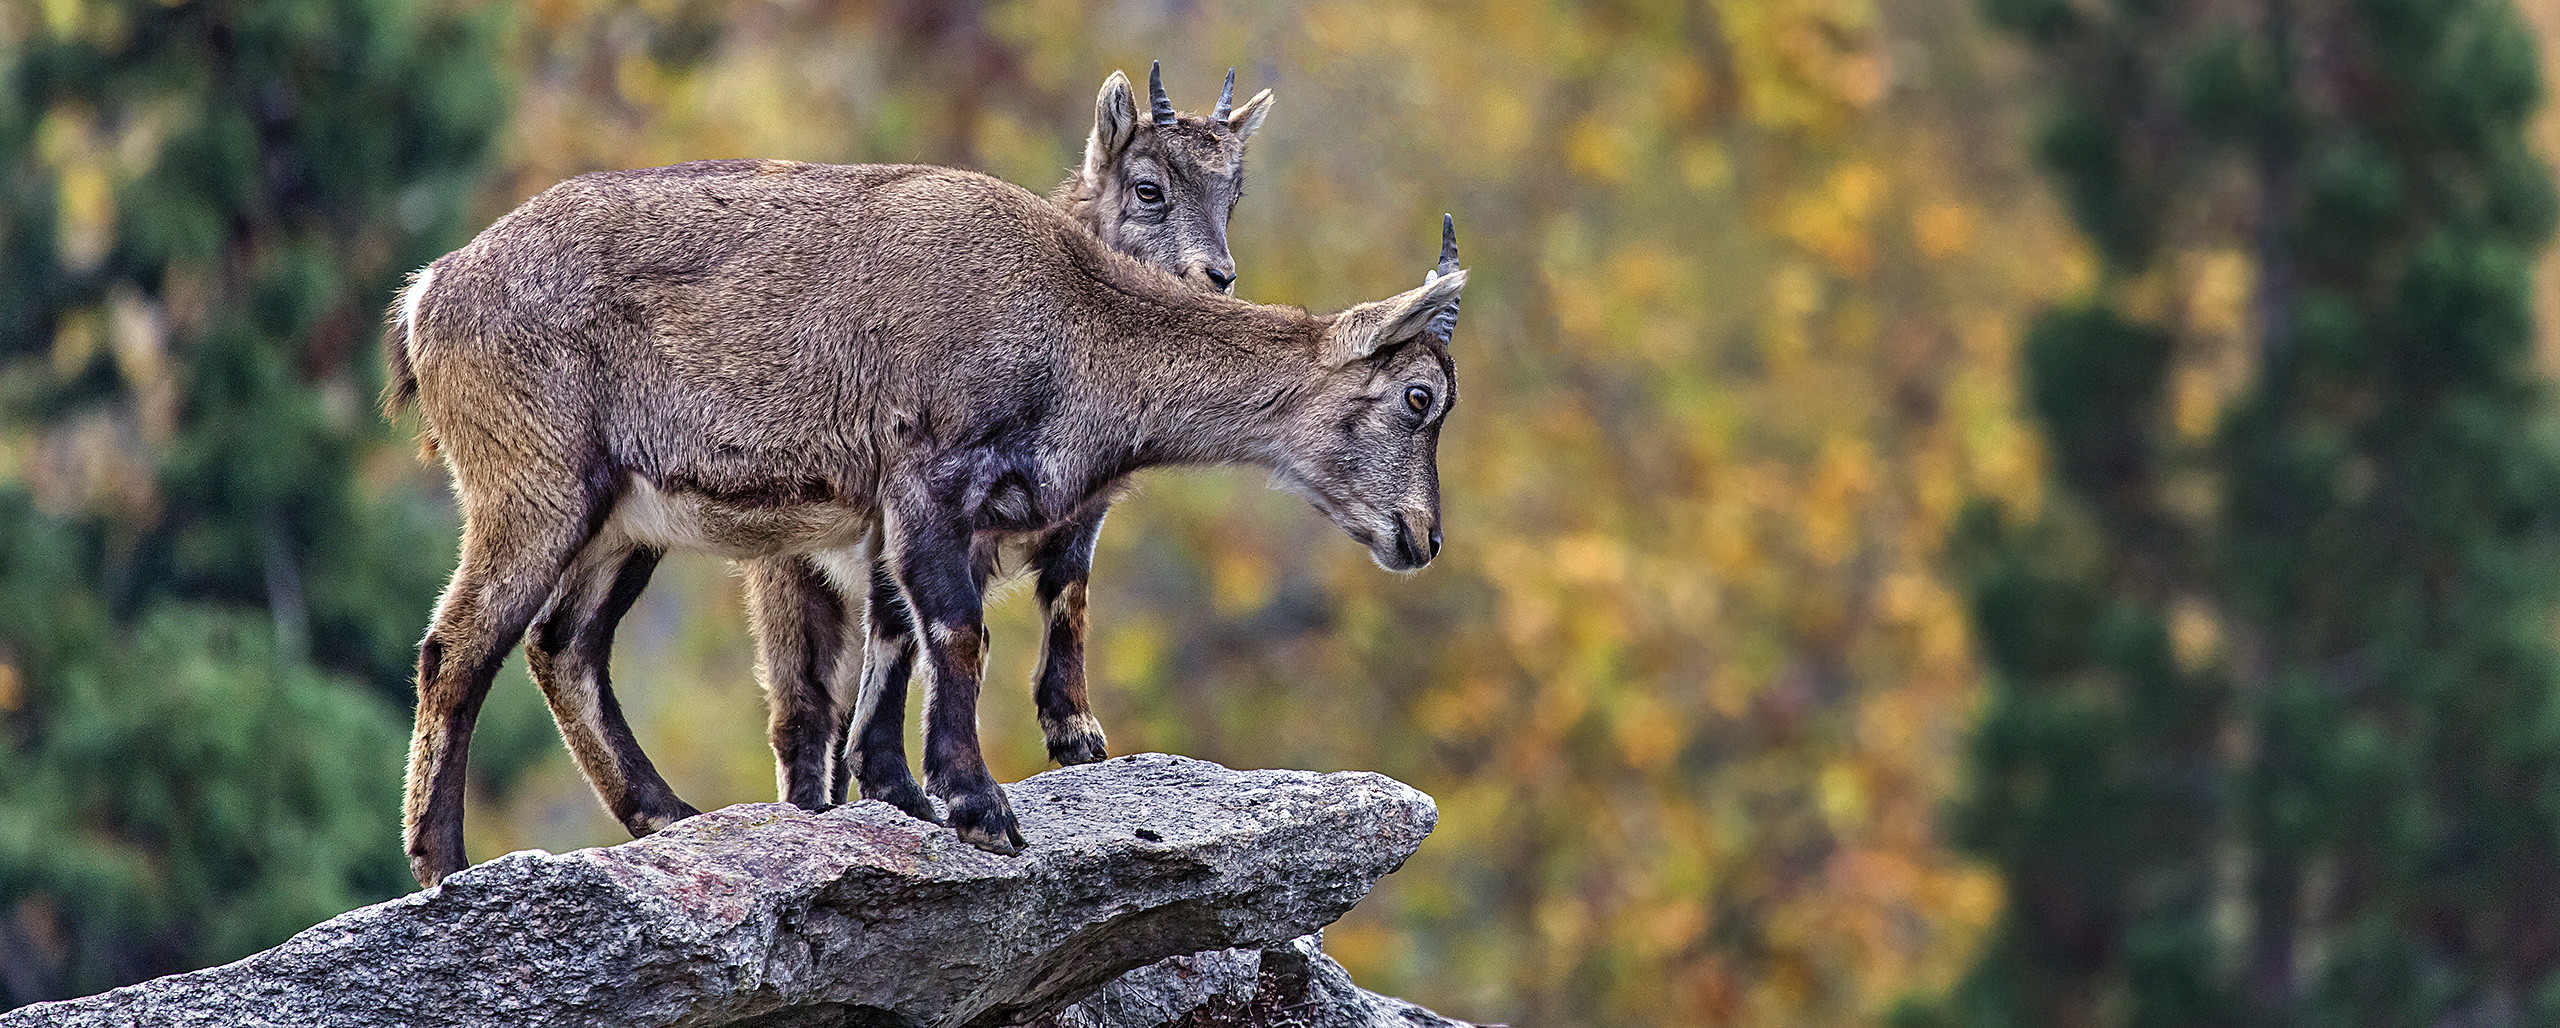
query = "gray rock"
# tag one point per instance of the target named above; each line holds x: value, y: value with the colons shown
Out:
x: 765, y: 915
x: 1293, y: 985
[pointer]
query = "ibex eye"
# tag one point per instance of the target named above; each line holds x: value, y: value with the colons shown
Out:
x: 1418, y: 398
x: 1149, y: 192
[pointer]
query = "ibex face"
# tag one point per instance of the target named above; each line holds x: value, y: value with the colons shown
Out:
x: 1364, y: 448
x: 1160, y: 185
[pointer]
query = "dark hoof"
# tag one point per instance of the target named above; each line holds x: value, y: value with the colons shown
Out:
x: 435, y: 850
x: 641, y: 823
x: 905, y: 796
x: 985, y: 820
x: 1074, y: 750
x: 430, y: 871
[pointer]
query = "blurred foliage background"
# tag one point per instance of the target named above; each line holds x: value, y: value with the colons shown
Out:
x: 1877, y: 560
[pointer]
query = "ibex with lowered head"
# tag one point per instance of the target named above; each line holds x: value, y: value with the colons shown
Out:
x: 1158, y: 185
x: 765, y: 358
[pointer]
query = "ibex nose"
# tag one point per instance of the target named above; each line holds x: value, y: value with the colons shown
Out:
x: 1223, y: 278
x: 1416, y: 553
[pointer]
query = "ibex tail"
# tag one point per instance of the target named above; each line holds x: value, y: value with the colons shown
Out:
x: 403, y: 386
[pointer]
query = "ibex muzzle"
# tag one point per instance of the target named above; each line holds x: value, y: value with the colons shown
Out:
x: 836, y: 363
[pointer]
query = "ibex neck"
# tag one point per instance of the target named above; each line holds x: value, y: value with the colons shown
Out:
x: 1214, y: 383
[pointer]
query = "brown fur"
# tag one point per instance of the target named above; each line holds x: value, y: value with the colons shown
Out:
x: 827, y: 363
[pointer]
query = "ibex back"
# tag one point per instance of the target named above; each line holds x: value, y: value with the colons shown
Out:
x: 761, y: 358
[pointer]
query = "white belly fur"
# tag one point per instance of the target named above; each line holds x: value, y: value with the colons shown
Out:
x: 687, y: 521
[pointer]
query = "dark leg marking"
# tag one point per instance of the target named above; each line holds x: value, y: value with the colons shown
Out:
x: 806, y: 716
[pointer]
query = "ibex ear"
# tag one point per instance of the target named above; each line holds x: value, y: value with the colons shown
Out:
x: 1115, y: 123
x: 1248, y: 119
x: 1366, y: 329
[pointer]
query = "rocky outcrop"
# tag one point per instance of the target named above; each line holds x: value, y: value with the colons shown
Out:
x: 768, y: 916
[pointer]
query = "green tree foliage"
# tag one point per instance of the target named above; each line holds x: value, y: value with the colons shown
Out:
x: 205, y: 622
x: 2274, y: 735
x: 181, y: 793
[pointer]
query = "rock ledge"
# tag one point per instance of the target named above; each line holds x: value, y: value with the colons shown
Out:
x: 765, y: 915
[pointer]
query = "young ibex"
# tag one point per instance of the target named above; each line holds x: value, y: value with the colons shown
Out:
x: 1159, y: 187
x: 766, y: 359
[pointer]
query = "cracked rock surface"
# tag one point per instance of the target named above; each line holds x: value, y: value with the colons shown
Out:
x: 765, y: 915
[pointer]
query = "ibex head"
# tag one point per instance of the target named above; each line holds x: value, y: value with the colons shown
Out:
x: 1161, y: 185
x: 1364, y: 446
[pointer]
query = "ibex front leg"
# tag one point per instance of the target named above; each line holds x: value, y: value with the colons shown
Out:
x: 1064, y: 557
x: 929, y: 548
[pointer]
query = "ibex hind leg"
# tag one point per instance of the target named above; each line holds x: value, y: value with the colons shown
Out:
x: 1064, y: 559
x: 804, y: 630
x: 569, y: 654
x: 503, y: 578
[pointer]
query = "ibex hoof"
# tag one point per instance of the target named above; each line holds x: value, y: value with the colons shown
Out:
x: 657, y: 817
x: 1073, y: 740
x: 986, y: 822
x: 433, y: 854
x: 430, y: 871
x: 1079, y: 749
x: 905, y: 796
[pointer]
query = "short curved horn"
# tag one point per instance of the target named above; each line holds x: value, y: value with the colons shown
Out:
x: 1155, y: 92
x: 1225, y: 96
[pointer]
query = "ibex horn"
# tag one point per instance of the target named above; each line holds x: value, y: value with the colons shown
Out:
x: 1444, y: 324
x: 1225, y: 96
x: 1155, y: 91
x: 1448, y: 244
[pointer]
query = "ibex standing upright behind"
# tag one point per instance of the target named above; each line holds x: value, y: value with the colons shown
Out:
x: 764, y: 359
